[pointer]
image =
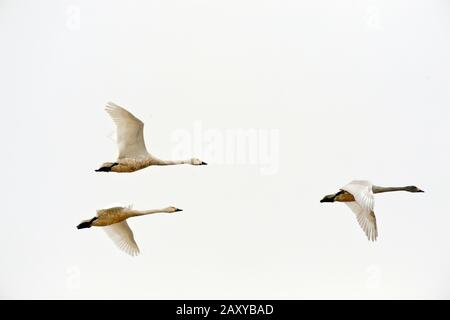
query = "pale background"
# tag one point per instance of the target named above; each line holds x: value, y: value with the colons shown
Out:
x: 357, y: 90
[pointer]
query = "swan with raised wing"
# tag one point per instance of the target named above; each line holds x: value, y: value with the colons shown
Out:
x: 133, y: 154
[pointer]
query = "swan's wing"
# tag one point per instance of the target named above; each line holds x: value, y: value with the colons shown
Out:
x: 362, y: 192
x: 121, y: 234
x: 130, y: 132
x: 108, y: 211
x: 366, y: 220
x: 363, y: 206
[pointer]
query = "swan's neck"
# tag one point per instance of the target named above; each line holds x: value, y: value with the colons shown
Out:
x: 159, y: 162
x: 133, y: 164
x: 377, y: 189
x: 136, y: 213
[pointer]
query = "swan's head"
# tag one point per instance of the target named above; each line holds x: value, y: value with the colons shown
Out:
x: 198, y: 162
x: 173, y: 209
x: 86, y: 223
x: 413, y: 189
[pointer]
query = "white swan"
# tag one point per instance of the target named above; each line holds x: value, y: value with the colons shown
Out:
x: 133, y: 154
x: 358, y: 196
x: 113, y: 221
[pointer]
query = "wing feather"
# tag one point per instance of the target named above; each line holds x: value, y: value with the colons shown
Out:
x: 363, y: 207
x: 122, y: 236
x: 130, y: 132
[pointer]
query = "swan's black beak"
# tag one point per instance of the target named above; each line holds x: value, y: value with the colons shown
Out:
x: 203, y: 163
x: 420, y: 190
x: 177, y: 210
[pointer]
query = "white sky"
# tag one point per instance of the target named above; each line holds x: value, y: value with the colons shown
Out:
x: 356, y: 90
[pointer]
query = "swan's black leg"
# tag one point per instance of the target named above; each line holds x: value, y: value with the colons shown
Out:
x: 106, y: 169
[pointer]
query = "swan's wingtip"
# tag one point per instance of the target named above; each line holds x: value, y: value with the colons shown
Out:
x: 111, y: 105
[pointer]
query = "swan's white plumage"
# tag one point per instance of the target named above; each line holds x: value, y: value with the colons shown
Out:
x: 121, y: 234
x: 113, y: 221
x: 133, y: 154
x: 363, y: 206
x: 130, y: 133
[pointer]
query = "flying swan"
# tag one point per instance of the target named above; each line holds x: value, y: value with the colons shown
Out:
x: 358, y: 196
x: 133, y: 155
x: 113, y: 221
